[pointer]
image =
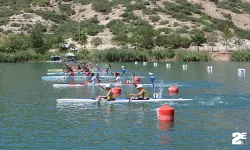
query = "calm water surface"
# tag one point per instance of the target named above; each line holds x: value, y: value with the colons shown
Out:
x: 30, y: 117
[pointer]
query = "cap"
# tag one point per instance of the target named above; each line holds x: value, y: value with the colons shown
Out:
x: 122, y: 66
x: 139, y: 86
x: 150, y: 73
x: 107, y: 86
x: 117, y: 73
x: 106, y: 65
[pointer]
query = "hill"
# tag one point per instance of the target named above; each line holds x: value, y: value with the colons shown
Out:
x: 147, y: 24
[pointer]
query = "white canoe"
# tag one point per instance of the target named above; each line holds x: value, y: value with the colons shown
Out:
x: 63, y: 77
x: 103, y: 84
x: 119, y: 100
x: 62, y: 73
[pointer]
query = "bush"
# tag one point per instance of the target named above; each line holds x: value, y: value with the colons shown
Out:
x: 163, y: 54
x: 49, y: 15
x: 65, y: 9
x: 164, y: 22
x: 120, y: 55
x: 185, y: 55
x: 243, y: 55
x: 103, y: 6
x: 154, y: 18
x: 96, y: 41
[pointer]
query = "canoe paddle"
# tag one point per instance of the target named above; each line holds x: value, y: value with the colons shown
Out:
x: 110, y: 68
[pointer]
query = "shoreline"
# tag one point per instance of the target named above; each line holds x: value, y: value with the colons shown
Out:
x: 220, y: 56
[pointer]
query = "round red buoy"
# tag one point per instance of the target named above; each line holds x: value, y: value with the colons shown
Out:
x: 173, y: 89
x: 116, y: 90
x: 137, y: 79
x: 165, y: 113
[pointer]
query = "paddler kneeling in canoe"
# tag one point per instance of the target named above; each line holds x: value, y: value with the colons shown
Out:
x: 70, y: 72
x: 109, y: 95
x: 142, y: 95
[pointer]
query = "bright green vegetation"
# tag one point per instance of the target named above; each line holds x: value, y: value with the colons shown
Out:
x: 243, y: 55
x: 192, y: 56
x: 128, y: 55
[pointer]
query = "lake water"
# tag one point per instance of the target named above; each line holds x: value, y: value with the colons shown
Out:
x: 30, y: 117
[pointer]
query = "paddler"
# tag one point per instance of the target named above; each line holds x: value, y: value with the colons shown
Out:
x: 79, y: 67
x: 70, y: 71
x: 117, y: 79
x: 106, y: 68
x: 142, y: 95
x: 97, y: 66
x: 93, y: 79
x: 123, y: 70
x: 109, y: 95
x: 87, y: 72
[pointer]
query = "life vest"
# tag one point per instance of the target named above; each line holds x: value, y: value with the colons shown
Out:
x: 87, y: 72
x: 144, y: 95
x: 123, y: 71
x: 72, y: 73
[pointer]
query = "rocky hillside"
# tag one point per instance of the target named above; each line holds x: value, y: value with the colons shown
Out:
x: 143, y: 23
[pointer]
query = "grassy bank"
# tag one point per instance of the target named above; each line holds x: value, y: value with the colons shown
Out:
x: 111, y: 55
x: 242, y: 55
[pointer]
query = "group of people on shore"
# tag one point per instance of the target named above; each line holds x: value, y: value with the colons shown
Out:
x: 83, y: 67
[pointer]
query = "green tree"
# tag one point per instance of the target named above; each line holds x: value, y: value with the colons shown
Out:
x: 212, y: 39
x: 121, y: 39
x: 84, y: 39
x: 238, y: 42
x: 198, y: 38
x: 174, y: 40
x: 227, y: 36
x: 145, y: 36
x: 37, y: 39
x: 185, y: 42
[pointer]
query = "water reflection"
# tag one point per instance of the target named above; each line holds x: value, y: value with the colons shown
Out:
x: 165, y: 126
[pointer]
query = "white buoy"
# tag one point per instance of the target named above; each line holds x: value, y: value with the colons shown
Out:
x: 155, y: 96
x: 128, y: 81
x: 145, y: 63
x: 184, y: 67
x: 209, y: 69
x: 135, y: 62
x: 168, y: 66
x: 155, y: 64
x: 241, y: 72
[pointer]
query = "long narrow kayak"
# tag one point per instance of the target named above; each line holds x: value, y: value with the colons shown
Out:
x: 78, y: 77
x: 119, y: 100
x: 103, y: 84
x: 81, y: 73
x: 64, y: 77
x: 54, y: 61
x: 55, y: 70
x: 61, y: 70
x: 62, y: 73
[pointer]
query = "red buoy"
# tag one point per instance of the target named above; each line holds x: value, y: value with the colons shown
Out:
x: 173, y: 89
x: 165, y: 113
x: 137, y: 79
x: 116, y: 90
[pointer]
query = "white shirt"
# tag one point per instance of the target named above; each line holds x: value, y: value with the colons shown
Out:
x: 94, y: 80
x: 118, y: 79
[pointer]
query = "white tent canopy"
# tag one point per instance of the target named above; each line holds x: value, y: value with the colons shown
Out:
x: 70, y: 54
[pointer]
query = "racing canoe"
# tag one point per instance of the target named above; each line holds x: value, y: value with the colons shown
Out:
x: 103, y: 84
x: 119, y: 100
